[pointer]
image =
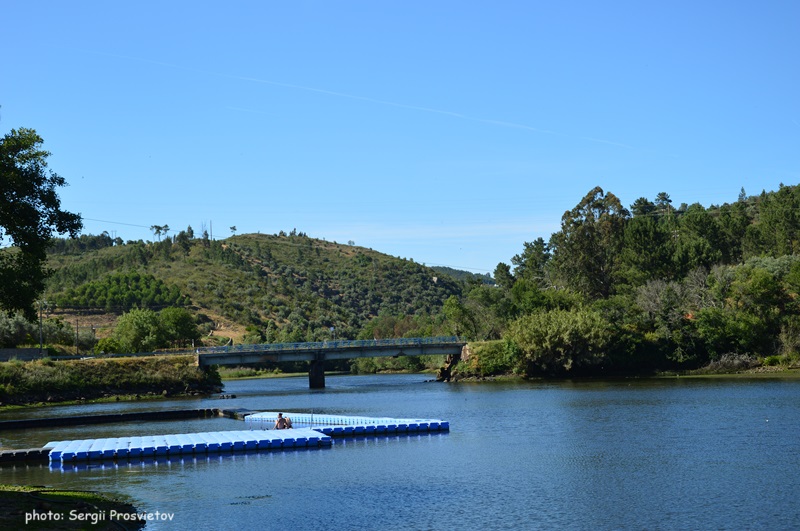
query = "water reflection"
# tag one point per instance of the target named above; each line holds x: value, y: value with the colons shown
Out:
x: 610, y: 455
x: 171, y: 462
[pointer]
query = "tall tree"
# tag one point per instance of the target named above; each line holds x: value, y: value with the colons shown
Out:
x: 647, y: 253
x: 642, y: 207
x: 663, y: 203
x: 158, y: 230
x: 503, y: 276
x: 30, y: 213
x: 699, y: 240
x: 586, y: 252
x: 139, y: 330
x: 178, y: 326
x: 733, y: 223
x: 461, y: 320
x: 530, y: 264
x: 779, y: 221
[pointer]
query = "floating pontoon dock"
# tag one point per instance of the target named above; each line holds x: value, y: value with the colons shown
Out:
x: 341, y: 425
x: 184, y: 444
x: 319, y: 433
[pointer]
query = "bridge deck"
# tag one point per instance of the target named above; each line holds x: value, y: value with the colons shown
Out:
x: 328, y: 350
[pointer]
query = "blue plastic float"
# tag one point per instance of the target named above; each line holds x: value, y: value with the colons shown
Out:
x: 343, y: 426
x: 260, y: 436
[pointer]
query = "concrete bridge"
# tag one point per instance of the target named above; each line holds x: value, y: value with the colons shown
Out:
x: 316, y: 353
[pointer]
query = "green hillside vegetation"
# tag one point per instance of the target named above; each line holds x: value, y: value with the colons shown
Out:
x: 464, y: 276
x: 617, y: 290
x: 653, y: 288
x: 121, y: 291
x: 279, y: 287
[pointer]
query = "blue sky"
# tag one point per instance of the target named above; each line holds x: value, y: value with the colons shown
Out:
x: 447, y: 132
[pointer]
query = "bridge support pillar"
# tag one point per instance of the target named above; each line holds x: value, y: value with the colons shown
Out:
x: 316, y: 374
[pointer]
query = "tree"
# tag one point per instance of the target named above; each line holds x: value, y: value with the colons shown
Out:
x: 530, y: 265
x: 727, y: 330
x: 107, y: 345
x: 699, y: 240
x: 158, y: 230
x: 491, y: 308
x: 561, y: 341
x: 14, y: 329
x: 30, y: 213
x: 642, y: 207
x: 503, y: 276
x: 742, y: 196
x: 779, y: 222
x: 663, y: 203
x: 733, y: 223
x: 178, y: 326
x: 139, y: 331
x: 184, y: 241
x: 460, y: 318
x: 587, y: 250
x: 647, y: 252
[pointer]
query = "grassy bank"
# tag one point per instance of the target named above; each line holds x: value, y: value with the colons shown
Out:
x: 498, y: 359
x: 48, y: 508
x: 48, y: 381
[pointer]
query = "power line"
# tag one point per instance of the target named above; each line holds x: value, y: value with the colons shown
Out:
x: 117, y: 223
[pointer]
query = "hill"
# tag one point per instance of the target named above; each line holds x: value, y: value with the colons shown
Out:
x: 265, y: 287
x: 465, y: 276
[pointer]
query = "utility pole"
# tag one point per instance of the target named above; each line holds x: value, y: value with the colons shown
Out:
x: 40, y: 328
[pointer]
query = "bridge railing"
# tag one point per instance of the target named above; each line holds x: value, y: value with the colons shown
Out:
x: 337, y: 344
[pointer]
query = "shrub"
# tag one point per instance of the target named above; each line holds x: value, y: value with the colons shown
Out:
x: 731, y: 362
x: 45, y: 380
x: 561, y: 341
x: 490, y: 358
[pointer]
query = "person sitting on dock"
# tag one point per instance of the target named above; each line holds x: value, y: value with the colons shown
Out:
x: 280, y: 423
x: 288, y: 423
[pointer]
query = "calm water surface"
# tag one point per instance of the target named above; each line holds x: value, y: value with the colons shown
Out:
x: 656, y: 454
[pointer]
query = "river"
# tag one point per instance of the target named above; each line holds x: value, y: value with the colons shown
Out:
x: 634, y: 454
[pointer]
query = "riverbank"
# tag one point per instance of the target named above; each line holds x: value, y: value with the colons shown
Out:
x: 764, y: 372
x: 759, y: 372
x: 35, y: 507
x: 47, y: 381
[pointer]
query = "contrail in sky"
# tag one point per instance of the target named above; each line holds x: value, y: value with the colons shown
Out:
x: 498, y: 123
x: 342, y: 95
